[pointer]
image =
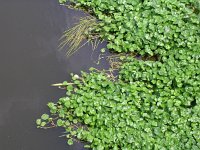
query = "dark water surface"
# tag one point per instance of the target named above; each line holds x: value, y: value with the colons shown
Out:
x: 29, y: 64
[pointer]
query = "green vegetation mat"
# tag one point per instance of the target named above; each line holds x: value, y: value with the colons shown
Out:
x: 152, y: 104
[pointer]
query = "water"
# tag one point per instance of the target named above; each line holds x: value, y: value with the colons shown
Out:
x: 29, y: 64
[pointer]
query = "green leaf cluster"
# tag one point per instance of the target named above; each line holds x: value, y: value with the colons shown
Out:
x: 152, y: 104
x: 134, y: 112
x: 146, y: 26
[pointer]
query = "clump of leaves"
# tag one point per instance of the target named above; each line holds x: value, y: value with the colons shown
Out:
x: 152, y: 104
x: 147, y: 27
x: 144, y: 109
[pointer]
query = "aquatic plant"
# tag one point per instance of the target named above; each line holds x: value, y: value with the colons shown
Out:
x: 143, y: 109
x: 146, y: 27
x: 151, y: 103
x: 80, y: 35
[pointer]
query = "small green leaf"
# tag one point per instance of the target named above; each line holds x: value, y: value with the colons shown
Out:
x: 38, y: 122
x: 65, y: 83
x: 59, y: 122
x: 67, y: 123
x: 62, y: 1
x: 43, y: 124
x: 75, y: 121
x: 87, y: 146
x: 70, y: 142
x: 103, y: 50
x: 67, y: 103
x: 45, y: 116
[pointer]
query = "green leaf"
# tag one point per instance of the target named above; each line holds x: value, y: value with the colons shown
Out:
x: 45, y: 116
x: 43, y: 124
x: 100, y: 147
x: 70, y: 88
x: 87, y: 146
x: 38, y: 121
x: 75, y: 121
x: 67, y: 103
x: 65, y: 83
x: 67, y: 123
x: 90, y: 138
x: 70, y: 142
x: 59, y: 122
x: 62, y: 1
x: 103, y: 50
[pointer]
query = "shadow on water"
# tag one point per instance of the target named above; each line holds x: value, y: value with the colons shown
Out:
x: 29, y: 64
